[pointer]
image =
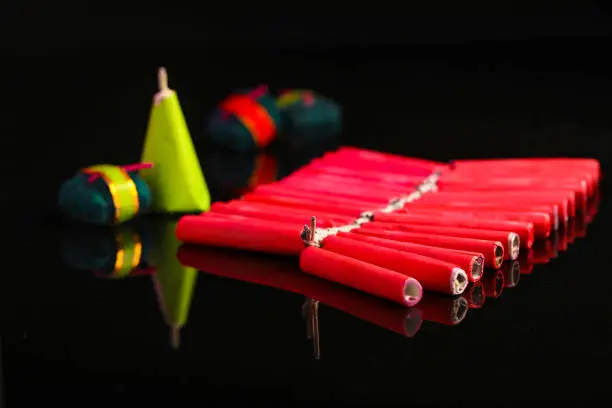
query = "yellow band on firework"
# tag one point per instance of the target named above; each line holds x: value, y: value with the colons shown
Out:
x: 122, y: 190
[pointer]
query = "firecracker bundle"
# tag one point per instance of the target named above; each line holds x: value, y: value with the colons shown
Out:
x: 394, y: 226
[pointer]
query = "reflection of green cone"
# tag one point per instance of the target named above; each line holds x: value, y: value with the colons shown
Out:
x: 174, y: 283
x: 176, y: 179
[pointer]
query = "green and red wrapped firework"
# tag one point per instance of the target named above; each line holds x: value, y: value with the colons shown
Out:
x: 245, y: 121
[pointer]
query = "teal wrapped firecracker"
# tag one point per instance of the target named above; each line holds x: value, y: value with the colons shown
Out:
x: 309, y: 117
x: 105, y: 195
x: 245, y: 121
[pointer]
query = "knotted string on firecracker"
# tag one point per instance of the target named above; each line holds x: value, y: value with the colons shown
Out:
x: 313, y: 236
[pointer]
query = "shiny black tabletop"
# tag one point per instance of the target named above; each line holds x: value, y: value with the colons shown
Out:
x: 230, y: 327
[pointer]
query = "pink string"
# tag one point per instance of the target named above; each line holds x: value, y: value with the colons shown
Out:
x: 256, y: 93
x: 309, y: 99
x: 128, y: 168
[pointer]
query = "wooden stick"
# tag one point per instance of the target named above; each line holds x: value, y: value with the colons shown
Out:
x: 162, y: 79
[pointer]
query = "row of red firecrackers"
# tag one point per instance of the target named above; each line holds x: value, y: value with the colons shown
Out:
x: 394, y: 226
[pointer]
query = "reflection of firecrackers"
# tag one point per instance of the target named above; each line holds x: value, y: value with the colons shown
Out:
x: 545, y: 250
x: 285, y: 275
x: 493, y: 283
x: 446, y: 310
x: 526, y: 261
x: 512, y: 274
x: 475, y: 295
x: 238, y: 173
x: 114, y: 253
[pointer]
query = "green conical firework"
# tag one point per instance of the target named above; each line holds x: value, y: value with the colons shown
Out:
x: 176, y: 179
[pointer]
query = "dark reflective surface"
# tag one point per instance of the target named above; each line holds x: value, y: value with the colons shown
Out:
x: 93, y: 317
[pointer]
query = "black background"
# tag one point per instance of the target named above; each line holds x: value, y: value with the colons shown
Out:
x: 439, y: 82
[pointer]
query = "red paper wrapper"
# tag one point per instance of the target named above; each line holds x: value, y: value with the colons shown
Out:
x: 350, y: 210
x: 392, y: 184
x: 512, y: 274
x: 433, y: 274
x: 510, y: 199
x: 509, y: 240
x: 229, y: 231
x: 475, y: 295
x: 523, y: 229
x: 320, y: 169
x: 278, y: 213
x: 360, y: 159
x: 354, y: 153
x: 471, y: 263
x: 434, y: 202
x: 342, y: 189
x: 446, y: 310
x: 283, y: 275
x: 541, y: 221
x: 493, y: 251
x: 364, y: 202
x: 542, y: 168
x: 361, y: 275
x: 493, y: 283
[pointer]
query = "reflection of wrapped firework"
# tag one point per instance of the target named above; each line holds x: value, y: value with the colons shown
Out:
x: 284, y: 274
x: 493, y: 283
x: 239, y: 172
x: 475, y: 295
x: 117, y: 252
x: 446, y: 310
x: 512, y: 274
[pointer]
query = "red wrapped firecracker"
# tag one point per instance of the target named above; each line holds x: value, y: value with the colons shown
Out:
x: 509, y: 240
x: 433, y: 274
x: 471, y: 263
x: 523, y: 229
x: 361, y: 275
x: 493, y: 251
x: 277, y: 213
